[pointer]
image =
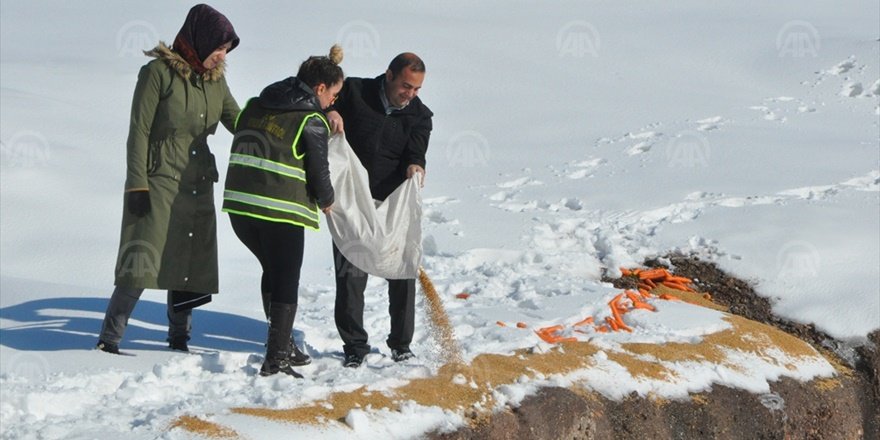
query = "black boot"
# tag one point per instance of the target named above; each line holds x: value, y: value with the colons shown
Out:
x: 278, y: 342
x: 179, y: 344
x: 297, y: 358
x: 107, y: 347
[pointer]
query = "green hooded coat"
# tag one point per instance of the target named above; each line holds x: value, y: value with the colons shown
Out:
x: 173, y: 111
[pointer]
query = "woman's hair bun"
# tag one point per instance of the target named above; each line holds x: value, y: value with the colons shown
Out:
x: 335, y: 54
x: 322, y: 69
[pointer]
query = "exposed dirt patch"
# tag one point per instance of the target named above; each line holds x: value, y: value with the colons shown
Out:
x: 792, y: 410
x: 870, y: 355
x: 846, y: 406
x: 740, y: 297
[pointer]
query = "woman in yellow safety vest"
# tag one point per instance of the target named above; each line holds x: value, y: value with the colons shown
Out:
x: 277, y: 184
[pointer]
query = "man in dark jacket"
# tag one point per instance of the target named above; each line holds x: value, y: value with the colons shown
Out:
x: 388, y: 128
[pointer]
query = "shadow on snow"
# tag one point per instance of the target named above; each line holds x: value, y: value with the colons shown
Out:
x: 73, y: 323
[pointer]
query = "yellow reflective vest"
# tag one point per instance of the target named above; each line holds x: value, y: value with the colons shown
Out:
x: 266, y: 177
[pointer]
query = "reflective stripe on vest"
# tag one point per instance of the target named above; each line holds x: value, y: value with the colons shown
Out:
x: 267, y: 165
x: 273, y: 204
x: 302, y: 126
x: 268, y: 181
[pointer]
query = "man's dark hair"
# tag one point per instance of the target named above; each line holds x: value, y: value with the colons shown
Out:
x: 407, y: 60
x: 322, y: 70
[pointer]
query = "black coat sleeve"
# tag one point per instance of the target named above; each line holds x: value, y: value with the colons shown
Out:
x: 417, y: 144
x: 313, y: 144
x: 343, y: 100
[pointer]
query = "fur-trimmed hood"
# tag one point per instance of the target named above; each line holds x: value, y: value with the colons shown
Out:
x: 176, y: 62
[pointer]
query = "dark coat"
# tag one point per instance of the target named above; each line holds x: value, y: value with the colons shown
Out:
x: 291, y: 95
x: 173, y: 111
x: 385, y: 144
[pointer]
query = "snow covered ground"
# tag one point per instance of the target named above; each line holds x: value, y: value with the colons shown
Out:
x: 568, y: 140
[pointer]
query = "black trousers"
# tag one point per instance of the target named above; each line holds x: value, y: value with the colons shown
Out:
x: 279, y: 248
x: 349, y: 312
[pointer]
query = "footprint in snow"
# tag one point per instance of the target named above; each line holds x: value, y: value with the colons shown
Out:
x: 639, y: 148
x: 534, y: 205
x: 774, y: 109
x: 856, y: 90
x: 519, y: 183
x: 638, y: 136
x: 874, y: 90
x: 769, y: 114
x: 583, y: 168
x: 573, y: 204
x: 642, y: 135
x: 579, y: 174
x: 502, y: 196
x: 852, y: 90
x: 646, y: 140
x: 443, y: 200
x: 842, y: 67
x: 708, y: 124
x: 436, y: 217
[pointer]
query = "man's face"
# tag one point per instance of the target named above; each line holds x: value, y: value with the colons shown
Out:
x: 402, y: 88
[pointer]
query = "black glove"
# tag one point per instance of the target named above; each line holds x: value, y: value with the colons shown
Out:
x: 139, y: 203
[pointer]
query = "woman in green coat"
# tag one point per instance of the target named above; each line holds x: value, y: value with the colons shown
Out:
x: 169, y: 228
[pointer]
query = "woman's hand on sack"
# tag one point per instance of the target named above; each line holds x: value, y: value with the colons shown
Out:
x: 412, y: 170
x: 335, y: 120
x: 327, y: 209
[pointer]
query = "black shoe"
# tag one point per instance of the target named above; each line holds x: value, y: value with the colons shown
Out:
x: 297, y: 358
x: 352, y: 361
x: 107, y: 347
x: 178, y: 344
x: 401, y: 354
x: 271, y: 367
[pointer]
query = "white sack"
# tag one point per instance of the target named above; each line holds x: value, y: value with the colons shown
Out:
x: 380, y: 238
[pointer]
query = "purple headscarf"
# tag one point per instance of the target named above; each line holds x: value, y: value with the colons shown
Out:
x: 204, y: 30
